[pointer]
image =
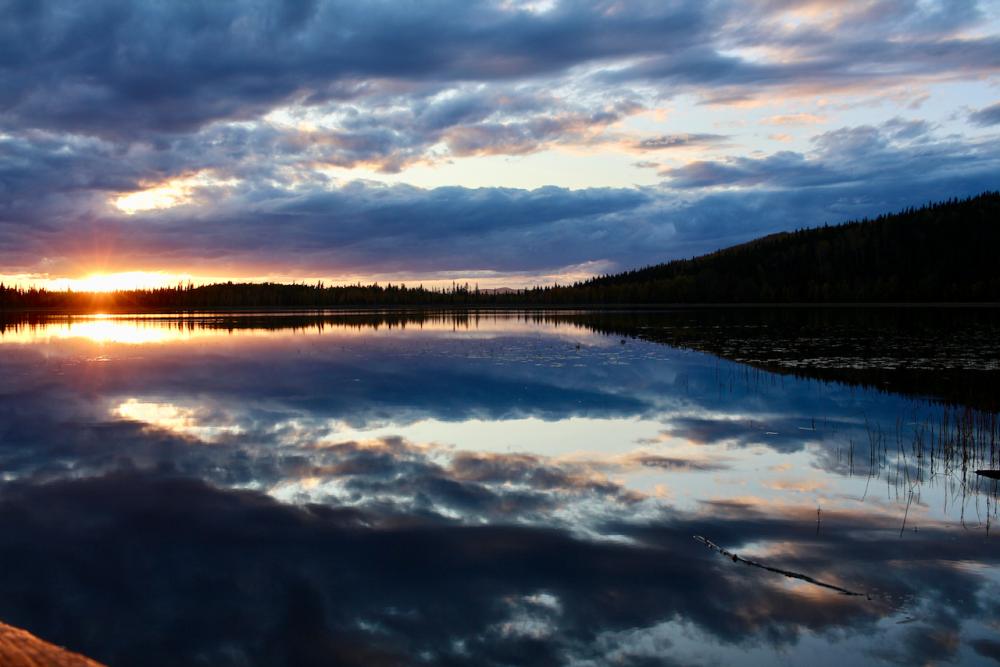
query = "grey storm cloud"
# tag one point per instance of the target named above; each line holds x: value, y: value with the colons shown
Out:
x: 832, y: 67
x: 896, y: 151
x: 784, y: 168
x: 987, y: 116
x: 875, y: 44
x: 667, y: 141
x: 126, y: 69
x: 363, y: 227
x: 119, y: 68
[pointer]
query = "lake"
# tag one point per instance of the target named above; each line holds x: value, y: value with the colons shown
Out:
x: 504, y: 488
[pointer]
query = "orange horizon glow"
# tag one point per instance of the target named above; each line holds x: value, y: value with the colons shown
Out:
x: 111, y: 282
x: 115, y: 281
x: 103, y: 282
x: 100, y: 281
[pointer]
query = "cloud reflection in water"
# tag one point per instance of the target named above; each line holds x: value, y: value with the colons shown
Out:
x: 367, y: 504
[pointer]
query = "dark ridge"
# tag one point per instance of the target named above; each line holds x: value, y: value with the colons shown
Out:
x: 943, y: 252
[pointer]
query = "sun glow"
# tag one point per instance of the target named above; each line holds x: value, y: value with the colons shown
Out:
x: 126, y: 280
x: 103, y: 329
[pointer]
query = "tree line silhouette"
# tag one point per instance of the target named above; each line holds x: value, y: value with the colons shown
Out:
x: 944, y: 252
x: 941, y: 252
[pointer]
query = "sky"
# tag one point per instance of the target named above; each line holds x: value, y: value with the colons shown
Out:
x: 504, y: 143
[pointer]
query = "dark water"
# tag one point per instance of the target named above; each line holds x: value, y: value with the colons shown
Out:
x: 503, y: 489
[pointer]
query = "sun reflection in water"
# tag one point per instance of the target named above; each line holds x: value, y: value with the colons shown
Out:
x: 137, y: 329
x: 106, y: 329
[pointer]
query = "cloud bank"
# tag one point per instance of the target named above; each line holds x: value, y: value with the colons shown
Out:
x: 245, y: 135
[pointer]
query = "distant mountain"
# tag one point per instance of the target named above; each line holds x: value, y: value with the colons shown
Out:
x: 941, y: 252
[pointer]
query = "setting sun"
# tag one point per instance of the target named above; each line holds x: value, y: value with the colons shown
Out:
x: 110, y: 282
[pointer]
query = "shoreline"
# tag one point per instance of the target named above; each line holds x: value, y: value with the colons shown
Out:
x: 599, y: 307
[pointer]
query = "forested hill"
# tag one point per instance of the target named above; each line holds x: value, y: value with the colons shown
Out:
x: 942, y: 252
x: 945, y: 252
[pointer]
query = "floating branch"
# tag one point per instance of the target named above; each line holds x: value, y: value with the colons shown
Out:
x: 793, y: 575
x: 992, y: 474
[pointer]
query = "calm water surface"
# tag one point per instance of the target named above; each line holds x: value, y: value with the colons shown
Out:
x: 503, y: 488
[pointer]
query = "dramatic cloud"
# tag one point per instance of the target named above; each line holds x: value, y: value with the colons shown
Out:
x: 245, y: 139
x: 844, y: 157
x: 678, y: 141
x: 987, y: 116
x: 174, y: 68
x: 784, y: 169
x: 849, y: 46
x: 124, y: 69
x: 259, y: 224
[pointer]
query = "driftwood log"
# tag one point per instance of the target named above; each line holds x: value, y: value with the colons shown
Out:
x: 786, y: 573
